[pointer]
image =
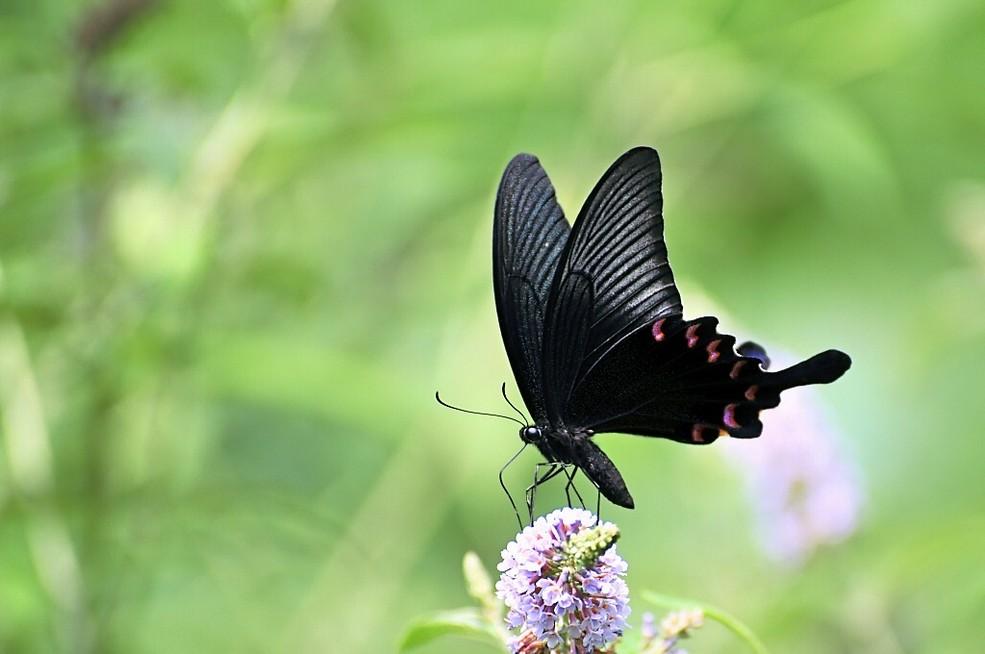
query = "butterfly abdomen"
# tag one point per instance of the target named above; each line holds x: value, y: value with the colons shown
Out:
x: 600, y: 469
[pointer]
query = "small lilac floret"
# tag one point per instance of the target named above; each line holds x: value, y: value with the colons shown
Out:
x: 561, y: 580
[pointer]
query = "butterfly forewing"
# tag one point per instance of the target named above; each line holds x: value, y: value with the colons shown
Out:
x: 613, y: 276
x: 529, y: 234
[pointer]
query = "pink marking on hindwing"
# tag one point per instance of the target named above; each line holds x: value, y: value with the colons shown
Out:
x: 658, y: 334
x: 736, y: 368
x: 692, y: 335
x: 751, y: 392
x: 712, y: 350
x: 728, y: 417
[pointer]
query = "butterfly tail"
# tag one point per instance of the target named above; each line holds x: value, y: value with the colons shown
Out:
x: 762, y: 391
x: 822, y: 368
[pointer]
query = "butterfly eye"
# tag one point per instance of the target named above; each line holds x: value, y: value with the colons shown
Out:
x: 530, y: 434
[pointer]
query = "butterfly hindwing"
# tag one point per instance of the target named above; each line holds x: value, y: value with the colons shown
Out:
x: 529, y: 234
x: 683, y: 380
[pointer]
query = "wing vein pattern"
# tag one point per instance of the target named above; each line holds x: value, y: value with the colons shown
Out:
x: 613, y: 276
x: 529, y: 234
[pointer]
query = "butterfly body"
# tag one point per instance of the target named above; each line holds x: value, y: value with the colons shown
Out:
x: 594, y: 330
x: 574, y: 446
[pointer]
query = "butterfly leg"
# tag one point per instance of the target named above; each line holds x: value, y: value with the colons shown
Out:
x: 570, y: 471
x: 531, y: 490
x: 598, y: 499
x: 507, y: 490
x: 567, y: 488
x: 553, y: 469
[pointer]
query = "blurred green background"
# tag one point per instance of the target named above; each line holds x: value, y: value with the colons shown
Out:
x: 242, y: 242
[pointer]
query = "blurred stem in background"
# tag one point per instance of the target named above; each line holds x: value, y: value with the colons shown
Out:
x: 30, y: 484
x: 244, y: 120
x: 213, y: 167
x: 239, y: 127
x: 98, y: 107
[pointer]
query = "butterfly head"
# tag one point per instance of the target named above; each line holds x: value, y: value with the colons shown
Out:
x: 531, y: 434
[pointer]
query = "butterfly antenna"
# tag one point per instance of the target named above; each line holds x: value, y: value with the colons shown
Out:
x: 507, y: 490
x: 476, y: 413
x: 526, y: 420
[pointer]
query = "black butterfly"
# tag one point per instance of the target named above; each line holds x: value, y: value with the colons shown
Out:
x: 593, y: 326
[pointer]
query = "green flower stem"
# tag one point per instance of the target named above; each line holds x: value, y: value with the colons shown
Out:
x: 724, y: 618
x: 480, y: 586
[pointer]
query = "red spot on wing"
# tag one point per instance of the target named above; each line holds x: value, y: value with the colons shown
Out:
x: 657, y: 330
x: 704, y: 433
x: 692, y: 335
x: 712, y: 350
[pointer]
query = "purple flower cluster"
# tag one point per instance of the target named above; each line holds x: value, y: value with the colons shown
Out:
x: 804, y: 489
x: 562, y: 583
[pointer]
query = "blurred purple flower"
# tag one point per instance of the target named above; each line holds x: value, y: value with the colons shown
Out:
x: 562, y: 583
x: 673, y: 628
x: 804, y: 489
x: 648, y: 630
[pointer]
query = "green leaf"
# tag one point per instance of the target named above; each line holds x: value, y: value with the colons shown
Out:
x: 466, y: 623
